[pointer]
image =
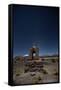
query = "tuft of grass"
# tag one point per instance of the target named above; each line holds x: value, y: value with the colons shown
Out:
x: 56, y: 73
x: 45, y: 72
x: 53, y: 60
x: 17, y: 74
x: 39, y: 78
x: 35, y: 80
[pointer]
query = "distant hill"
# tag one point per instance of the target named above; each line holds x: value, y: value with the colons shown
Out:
x: 26, y: 57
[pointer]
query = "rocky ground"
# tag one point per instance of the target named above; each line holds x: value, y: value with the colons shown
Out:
x: 47, y: 74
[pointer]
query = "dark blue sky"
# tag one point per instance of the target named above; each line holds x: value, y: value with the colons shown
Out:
x: 35, y: 25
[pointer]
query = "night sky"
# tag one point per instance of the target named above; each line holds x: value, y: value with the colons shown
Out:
x: 39, y: 25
